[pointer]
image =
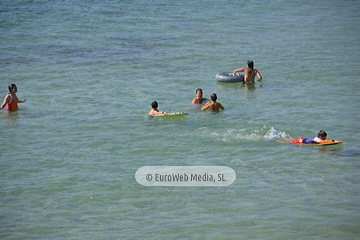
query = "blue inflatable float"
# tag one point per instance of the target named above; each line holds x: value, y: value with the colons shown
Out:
x: 228, y: 77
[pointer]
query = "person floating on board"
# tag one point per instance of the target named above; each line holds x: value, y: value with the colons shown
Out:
x: 199, y: 99
x: 249, y: 73
x: 213, y: 106
x: 11, y: 101
x: 320, y: 137
x: 154, y: 110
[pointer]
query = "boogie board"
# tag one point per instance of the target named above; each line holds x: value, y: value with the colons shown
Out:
x: 175, y: 114
x: 322, y: 143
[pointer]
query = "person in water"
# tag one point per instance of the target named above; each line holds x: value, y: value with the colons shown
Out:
x: 249, y: 73
x: 213, y: 106
x: 199, y: 99
x: 320, y: 137
x: 154, y: 110
x: 11, y: 101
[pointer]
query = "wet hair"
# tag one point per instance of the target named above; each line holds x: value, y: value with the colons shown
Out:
x: 11, y: 87
x: 322, y: 133
x: 154, y: 104
x: 250, y: 64
x: 199, y: 89
x: 213, y: 97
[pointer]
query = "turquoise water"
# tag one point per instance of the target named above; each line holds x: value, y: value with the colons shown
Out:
x: 89, y: 71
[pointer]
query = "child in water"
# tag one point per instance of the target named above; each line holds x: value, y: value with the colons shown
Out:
x: 11, y: 101
x: 320, y: 137
x: 213, y: 106
x: 154, y: 110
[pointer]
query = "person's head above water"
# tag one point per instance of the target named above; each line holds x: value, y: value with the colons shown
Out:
x: 322, y: 135
x: 11, y: 87
x: 154, y: 104
x: 250, y: 64
x: 213, y: 97
x: 199, y: 92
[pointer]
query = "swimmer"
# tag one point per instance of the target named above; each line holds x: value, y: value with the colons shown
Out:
x: 199, y: 99
x: 320, y: 137
x: 154, y: 110
x: 213, y: 106
x: 11, y: 101
x: 249, y: 73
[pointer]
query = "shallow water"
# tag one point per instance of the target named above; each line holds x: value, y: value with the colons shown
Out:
x: 89, y: 71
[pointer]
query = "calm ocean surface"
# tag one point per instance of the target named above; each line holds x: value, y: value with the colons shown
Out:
x: 89, y: 71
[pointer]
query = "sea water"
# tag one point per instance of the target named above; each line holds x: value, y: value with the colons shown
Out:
x: 89, y: 71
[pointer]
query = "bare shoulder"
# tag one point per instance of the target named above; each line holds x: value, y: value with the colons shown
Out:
x: 7, y: 96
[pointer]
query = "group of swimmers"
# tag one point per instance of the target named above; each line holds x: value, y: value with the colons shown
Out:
x: 249, y: 77
x: 214, y: 106
x: 11, y: 102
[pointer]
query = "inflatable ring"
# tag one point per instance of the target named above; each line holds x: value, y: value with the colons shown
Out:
x: 228, y: 77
